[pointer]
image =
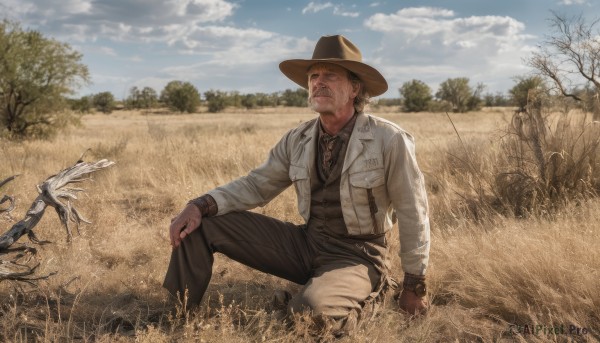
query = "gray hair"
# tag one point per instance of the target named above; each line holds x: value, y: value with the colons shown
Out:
x: 362, y: 98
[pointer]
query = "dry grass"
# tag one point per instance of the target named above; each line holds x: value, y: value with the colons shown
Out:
x: 484, y: 275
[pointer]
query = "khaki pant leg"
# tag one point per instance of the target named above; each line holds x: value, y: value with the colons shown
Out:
x: 258, y: 241
x: 336, y: 289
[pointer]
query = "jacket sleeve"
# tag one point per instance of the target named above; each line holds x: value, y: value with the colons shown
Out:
x: 260, y: 186
x: 406, y: 188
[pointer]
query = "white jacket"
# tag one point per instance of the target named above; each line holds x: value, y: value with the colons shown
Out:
x: 379, y: 165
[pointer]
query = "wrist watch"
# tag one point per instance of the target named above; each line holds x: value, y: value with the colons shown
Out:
x: 419, y: 288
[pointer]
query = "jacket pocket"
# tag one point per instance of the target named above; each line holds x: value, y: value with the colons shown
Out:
x: 300, y: 178
x: 298, y: 173
x: 367, y: 188
x: 368, y: 179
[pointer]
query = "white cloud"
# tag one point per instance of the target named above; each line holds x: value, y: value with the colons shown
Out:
x: 108, y: 51
x: 223, y: 37
x: 187, y: 30
x: 424, y: 12
x: 338, y: 11
x: 241, y: 53
x: 150, y: 20
x: 136, y: 59
x: 192, y: 27
x: 434, y: 44
x: 314, y: 7
x: 572, y: 2
x: 241, y: 68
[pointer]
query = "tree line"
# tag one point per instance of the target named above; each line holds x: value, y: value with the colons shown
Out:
x: 39, y: 75
x: 454, y: 94
x: 457, y: 95
x: 184, y: 97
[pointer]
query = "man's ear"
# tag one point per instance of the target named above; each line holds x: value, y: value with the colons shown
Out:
x: 355, y: 88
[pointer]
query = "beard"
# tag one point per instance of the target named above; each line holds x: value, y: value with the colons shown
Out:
x: 318, y: 92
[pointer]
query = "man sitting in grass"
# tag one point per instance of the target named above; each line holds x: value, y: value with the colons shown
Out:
x: 355, y: 175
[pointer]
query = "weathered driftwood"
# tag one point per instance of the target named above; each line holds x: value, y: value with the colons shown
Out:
x: 52, y: 192
x: 11, y: 200
x: 19, y: 264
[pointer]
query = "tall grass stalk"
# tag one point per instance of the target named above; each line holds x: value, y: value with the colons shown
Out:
x: 548, y: 160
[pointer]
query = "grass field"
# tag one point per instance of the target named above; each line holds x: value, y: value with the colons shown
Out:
x: 494, y: 279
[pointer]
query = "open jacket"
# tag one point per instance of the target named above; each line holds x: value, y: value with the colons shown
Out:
x: 380, y: 182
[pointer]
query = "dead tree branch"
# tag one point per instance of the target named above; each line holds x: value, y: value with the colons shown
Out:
x: 55, y: 193
x: 10, y: 199
x: 21, y: 265
x: 570, y: 59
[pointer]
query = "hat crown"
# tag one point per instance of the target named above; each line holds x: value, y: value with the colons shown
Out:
x: 336, y: 47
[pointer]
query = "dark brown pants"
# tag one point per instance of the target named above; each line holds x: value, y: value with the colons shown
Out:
x: 336, y: 274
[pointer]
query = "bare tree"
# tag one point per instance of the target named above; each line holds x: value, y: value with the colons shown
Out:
x: 52, y: 192
x: 570, y: 59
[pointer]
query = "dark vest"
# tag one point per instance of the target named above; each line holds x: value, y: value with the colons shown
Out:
x: 325, y: 205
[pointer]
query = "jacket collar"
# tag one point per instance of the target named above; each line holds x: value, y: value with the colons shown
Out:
x: 362, y: 131
x: 362, y: 127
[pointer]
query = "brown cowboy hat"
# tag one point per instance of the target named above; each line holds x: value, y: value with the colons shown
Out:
x: 336, y: 50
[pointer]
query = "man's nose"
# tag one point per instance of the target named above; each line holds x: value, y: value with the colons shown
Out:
x: 318, y: 81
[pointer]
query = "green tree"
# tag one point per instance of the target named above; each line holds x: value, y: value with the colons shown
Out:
x: 297, y: 98
x: 217, y: 100
x: 498, y: 99
x: 475, y: 101
x: 460, y: 95
x: 141, y: 99
x: 148, y: 98
x: 234, y: 98
x: 36, y: 75
x: 132, y: 101
x: 180, y: 96
x: 525, y: 89
x: 266, y: 100
x: 249, y: 101
x: 455, y: 91
x: 388, y: 102
x: 104, y: 102
x: 81, y: 105
x: 416, y: 96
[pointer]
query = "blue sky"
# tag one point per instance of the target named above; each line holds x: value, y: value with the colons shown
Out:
x: 238, y: 44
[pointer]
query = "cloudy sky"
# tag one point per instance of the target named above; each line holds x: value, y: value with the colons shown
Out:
x: 237, y: 44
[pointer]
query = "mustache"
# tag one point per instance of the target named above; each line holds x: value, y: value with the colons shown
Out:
x: 321, y: 92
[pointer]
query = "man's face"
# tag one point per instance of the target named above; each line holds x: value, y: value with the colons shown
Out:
x: 329, y: 88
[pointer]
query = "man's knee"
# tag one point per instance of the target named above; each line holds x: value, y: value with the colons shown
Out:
x: 311, y: 300
x: 323, y: 314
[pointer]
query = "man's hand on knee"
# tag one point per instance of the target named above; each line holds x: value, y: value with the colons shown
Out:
x: 184, y: 224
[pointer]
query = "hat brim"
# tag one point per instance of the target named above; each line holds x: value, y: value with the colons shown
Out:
x: 296, y: 70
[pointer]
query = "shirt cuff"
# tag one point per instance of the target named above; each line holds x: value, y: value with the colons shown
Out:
x: 206, y: 204
x: 412, y: 279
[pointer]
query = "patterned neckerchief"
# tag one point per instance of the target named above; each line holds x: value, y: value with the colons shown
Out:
x: 330, y: 147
